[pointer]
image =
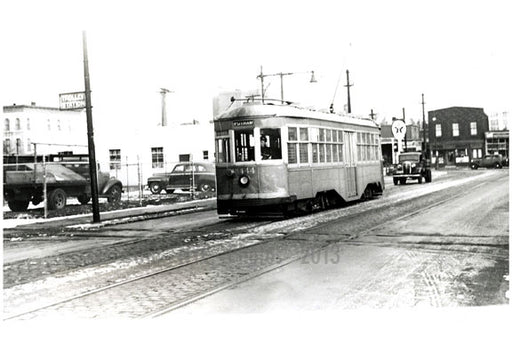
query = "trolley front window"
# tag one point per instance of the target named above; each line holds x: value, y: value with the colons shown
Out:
x: 223, y: 150
x: 244, y: 145
x: 270, y: 142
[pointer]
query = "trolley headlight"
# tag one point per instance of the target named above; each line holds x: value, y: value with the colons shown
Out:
x: 244, y: 181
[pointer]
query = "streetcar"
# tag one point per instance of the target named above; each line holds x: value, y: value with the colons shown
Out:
x: 278, y: 158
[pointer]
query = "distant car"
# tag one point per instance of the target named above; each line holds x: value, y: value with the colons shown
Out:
x: 411, y: 165
x: 489, y: 161
x: 186, y: 176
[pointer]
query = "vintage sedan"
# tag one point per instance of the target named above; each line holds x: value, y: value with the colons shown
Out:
x: 489, y: 161
x: 189, y: 176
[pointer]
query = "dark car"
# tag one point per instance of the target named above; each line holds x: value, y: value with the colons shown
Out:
x: 188, y: 176
x: 490, y: 161
x: 412, y: 165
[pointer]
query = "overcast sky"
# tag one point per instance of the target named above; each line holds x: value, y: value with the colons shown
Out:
x: 458, y: 53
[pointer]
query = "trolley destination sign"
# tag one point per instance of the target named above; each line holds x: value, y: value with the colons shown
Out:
x: 72, y: 101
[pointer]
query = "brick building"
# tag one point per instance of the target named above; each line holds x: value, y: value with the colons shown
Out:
x: 457, y: 135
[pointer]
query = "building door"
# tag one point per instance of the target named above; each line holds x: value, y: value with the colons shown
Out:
x: 351, y: 160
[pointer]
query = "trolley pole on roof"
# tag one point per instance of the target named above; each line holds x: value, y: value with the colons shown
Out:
x: 348, y: 85
x: 90, y: 136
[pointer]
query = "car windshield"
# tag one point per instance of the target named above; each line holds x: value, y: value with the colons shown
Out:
x: 409, y: 157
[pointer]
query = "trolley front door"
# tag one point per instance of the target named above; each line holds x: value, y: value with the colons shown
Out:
x: 350, y: 162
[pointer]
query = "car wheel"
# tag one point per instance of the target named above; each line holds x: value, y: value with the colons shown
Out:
x: 114, y: 194
x: 420, y: 179
x: 474, y: 167
x: 57, y: 199
x: 206, y: 187
x: 402, y: 181
x: 155, y: 187
x: 18, y: 205
x: 395, y: 181
x: 498, y: 165
x: 84, y: 198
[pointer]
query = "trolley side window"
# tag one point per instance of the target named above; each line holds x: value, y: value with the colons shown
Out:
x: 244, y: 145
x: 223, y: 150
x: 270, y: 143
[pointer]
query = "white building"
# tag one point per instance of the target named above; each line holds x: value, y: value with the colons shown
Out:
x: 135, y: 155
x: 52, y: 129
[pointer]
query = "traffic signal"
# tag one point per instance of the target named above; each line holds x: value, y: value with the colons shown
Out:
x: 395, y: 145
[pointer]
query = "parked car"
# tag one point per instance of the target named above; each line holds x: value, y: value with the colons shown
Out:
x: 490, y: 161
x: 187, y: 176
x: 412, y: 165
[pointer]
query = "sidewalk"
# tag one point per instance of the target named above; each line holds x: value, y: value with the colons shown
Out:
x: 111, y: 217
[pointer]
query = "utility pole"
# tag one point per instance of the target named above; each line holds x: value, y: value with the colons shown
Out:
x: 372, y: 115
x: 348, y: 85
x: 164, y: 92
x: 90, y: 136
x: 424, y: 149
x: 405, y: 136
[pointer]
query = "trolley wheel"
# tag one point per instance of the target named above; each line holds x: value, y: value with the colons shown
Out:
x: 114, y: 194
x: 57, y: 199
x: 420, y: 179
x: 84, y: 198
x: 18, y: 205
x: 155, y: 187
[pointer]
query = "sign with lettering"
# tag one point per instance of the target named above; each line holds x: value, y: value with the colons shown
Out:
x: 72, y: 101
x: 246, y: 123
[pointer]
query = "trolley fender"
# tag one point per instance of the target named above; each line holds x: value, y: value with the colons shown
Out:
x: 108, y: 185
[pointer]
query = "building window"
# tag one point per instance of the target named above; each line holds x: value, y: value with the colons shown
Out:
x: 439, y: 132
x: 58, y: 125
x: 474, y: 131
x: 49, y: 124
x: 477, y: 153
x: 205, y: 155
x: 115, y: 159
x: 7, y: 125
x: 7, y: 146
x: 28, y: 124
x: 19, y: 146
x: 184, y: 158
x: 18, y: 124
x: 455, y: 129
x: 157, y: 157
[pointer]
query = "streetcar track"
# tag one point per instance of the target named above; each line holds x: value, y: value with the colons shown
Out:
x: 261, y: 240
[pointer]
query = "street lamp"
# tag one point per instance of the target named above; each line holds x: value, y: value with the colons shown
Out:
x: 281, y: 74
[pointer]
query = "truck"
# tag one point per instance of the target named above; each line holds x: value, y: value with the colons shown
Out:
x: 63, y: 177
x: 412, y: 165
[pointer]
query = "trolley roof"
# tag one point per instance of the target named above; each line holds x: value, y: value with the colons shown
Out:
x: 253, y: 110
